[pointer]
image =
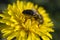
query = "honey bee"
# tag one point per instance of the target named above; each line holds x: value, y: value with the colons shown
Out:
x: 35, y: 15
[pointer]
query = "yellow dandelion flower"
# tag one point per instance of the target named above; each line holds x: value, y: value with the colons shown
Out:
x: 25, y: 21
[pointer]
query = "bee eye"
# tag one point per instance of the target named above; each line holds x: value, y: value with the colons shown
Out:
x: 28, y: 12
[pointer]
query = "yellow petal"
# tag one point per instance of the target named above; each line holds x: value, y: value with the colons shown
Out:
x: 28, y: 24
x: 45, y: 38
x: 29, y: 5
x: 11, y: 36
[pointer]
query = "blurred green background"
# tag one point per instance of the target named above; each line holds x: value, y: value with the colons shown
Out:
x: 51, y: 6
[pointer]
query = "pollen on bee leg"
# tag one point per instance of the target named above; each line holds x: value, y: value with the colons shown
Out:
x: 41, y: 21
